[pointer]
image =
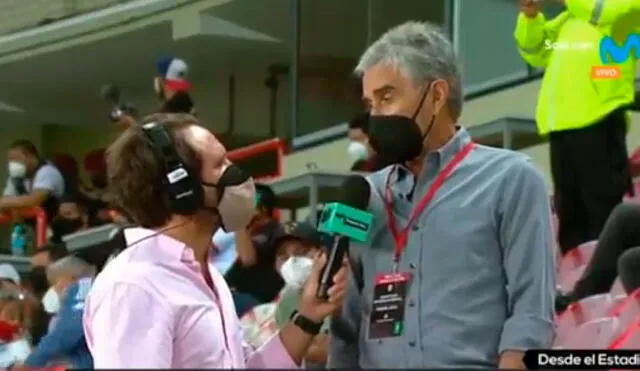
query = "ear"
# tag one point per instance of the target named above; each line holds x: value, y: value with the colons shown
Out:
x: 440, y: 95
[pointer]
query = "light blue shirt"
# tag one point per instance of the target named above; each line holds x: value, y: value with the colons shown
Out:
x: 481, y: 261
x: 224, y: 254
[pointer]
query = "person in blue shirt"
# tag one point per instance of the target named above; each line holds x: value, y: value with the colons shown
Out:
x: 71, y: 279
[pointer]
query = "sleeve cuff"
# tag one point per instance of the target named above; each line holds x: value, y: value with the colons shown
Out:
x: 526, y: 332
x: 272, y: 355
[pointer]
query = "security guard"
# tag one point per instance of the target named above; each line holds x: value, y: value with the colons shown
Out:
x: 65, y: 342
x: 583, y: 110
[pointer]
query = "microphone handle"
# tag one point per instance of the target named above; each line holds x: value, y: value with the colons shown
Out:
x: 339, y: 249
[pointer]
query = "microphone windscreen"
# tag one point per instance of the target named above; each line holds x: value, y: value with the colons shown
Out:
x: 355, y: 192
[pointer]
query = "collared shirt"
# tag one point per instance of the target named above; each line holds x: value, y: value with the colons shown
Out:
x: 481, y: 261
x: 65, y: 342
x: 151, y: 308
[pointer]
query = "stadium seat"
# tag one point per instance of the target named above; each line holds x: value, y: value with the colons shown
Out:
x: 578, y: 256
x: 617, y: 289
x: 627, y: 311
x: 628, y: 339
x: 594, y: 334
x: 567, y: 280
x: 585, y: 310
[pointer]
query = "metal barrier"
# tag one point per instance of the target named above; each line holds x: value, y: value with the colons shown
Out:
x: 39, y: 215
x: 275, y: 144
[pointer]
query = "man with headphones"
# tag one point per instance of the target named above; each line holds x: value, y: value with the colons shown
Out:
x: 159, y: 303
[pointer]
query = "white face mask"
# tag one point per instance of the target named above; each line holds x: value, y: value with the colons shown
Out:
x: 20, y: 349
x: 51, y: 301
x: 17, y: 169
x: 296, y: 270
x: 358, y: 151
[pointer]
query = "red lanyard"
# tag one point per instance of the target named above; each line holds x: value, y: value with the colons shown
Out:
x: 400, y: 236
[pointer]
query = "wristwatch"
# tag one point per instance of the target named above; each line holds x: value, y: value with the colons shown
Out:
x: 305, y: 324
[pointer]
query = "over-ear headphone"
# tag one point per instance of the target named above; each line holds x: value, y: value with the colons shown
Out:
x: 181, y: 182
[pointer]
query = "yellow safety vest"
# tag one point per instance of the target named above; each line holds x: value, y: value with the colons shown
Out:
x: 568, y: 47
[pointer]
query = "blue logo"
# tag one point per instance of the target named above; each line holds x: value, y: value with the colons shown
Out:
x: 610, y: 52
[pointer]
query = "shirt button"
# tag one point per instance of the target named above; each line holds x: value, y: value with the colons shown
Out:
x: 415, y: 227
x: 412, y: 303
x: 379, y: 342
x: 412, y: 266
x: 412, y: 343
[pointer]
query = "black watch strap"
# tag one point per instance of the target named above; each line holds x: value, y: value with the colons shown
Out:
x: 305, y: 324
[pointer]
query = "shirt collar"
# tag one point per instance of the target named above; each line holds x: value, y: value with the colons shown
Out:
x: 164, y: 247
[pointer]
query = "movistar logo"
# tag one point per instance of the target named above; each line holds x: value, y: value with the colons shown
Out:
x: 610, y: 52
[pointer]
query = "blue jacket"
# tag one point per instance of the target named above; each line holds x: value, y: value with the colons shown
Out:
x: 65, y: 341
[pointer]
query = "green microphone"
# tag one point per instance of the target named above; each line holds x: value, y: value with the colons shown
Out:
x: 345, y: 221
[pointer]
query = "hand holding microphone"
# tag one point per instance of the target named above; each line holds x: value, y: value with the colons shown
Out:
x: 345, y: 221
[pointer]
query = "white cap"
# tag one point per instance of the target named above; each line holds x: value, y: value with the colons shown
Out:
x: 9, y: 272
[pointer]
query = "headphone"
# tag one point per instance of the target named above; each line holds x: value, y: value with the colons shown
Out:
x: 182, y: 186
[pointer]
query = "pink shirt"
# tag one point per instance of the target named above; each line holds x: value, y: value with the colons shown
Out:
x: 151, y: 308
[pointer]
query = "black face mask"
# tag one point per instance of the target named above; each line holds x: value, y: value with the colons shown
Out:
x: 38, y: 280
x: 63, y: 226
x: 396, y: 138
x: 99, y: 181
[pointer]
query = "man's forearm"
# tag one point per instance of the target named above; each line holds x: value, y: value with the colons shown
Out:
x: 511, y: 360
x: 18, y: 202
x: 295, y: 341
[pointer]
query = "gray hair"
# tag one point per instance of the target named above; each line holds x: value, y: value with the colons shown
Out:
x: 70, y: 266
x: 421, y: 52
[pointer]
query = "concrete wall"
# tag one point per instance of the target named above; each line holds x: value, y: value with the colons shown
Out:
x: 16, y: 15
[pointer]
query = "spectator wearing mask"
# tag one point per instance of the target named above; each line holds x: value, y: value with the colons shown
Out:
x: 72, y: 217
x: 172, y: 86
x: 294, y: 260
x: 462, y: 236
x: 255, y: 247
x: 39, y: 285
x: 32, y: 181
x: 160, y: 303
x: 70, y: 278
x: 14, y: 343
x: 584, y: 116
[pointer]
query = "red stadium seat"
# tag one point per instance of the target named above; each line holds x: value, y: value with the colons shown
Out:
x: 578, y: 256
x: 595, y: 334
x: 629, y: 338
x: 627, y: 311
x: 585, y: 310
x: 617, y: 289
x: 575, y: 258
x: 567, y: 280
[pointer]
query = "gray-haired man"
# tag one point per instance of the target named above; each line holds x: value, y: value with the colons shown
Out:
x: 459, y: 270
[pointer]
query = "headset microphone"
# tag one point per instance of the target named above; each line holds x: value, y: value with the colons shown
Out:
x: 345, y: 220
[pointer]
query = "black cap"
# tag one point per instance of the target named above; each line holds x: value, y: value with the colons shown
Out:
x: 304, y: 232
